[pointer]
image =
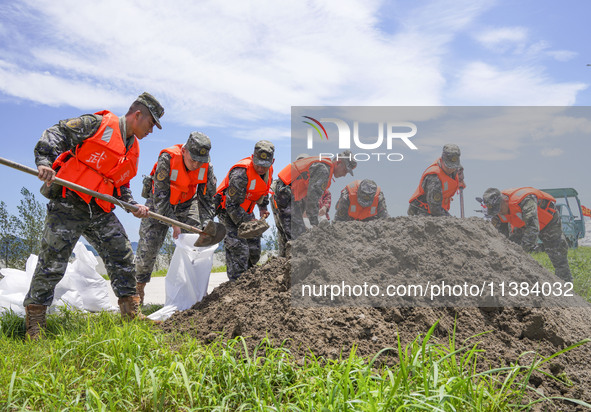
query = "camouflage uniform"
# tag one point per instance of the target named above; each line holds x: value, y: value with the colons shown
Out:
x: 289, y: 214
x: 432, y: 186
x: 70, y: 217
x: 241, y: 254
x: 553, y: 239
x: 342, y: 209
x: 282, y: 213
x: 197, y: 211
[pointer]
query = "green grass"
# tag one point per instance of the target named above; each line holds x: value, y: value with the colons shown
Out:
x: 95, y: 362
x: 159, y: 273
x: 579, y: 261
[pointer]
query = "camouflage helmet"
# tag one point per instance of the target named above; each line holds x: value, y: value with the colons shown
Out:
x: 366, y: 192
x: 348, y: 159
x: 153, y: 106
x: 198, y: 146
x: 451, y: 156
x: 492, y: 201
x: 263, y: 153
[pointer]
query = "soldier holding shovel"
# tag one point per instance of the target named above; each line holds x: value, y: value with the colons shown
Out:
x: 246, y: 186
x: 100, y: 152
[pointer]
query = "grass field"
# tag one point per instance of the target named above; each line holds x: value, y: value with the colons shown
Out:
x: 96, y: 362
x: 579, y: 261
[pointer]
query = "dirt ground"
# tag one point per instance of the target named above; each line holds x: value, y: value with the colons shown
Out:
x: 267, y: 301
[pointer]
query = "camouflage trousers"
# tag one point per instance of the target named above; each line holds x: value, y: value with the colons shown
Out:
x: 415, y: 210
x: 556, y: 247
x: 152, y: 235
x: 241, y: 254
x: 68, y: 219
x: 288, y: 215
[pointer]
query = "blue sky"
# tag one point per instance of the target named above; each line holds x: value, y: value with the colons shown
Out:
x: 234, y: 70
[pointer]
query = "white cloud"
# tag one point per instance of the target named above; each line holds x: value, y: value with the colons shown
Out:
x: 506, y: 133
x: 210, y: 61
x: 503, y: 38
x: 215, y: 63
x: 483, y: 84
x: 562, y: 55
x: 52, y: 90
x: 554, y: 152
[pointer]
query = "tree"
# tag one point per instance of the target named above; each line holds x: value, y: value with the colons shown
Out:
x: 31, y: 222
x: 9, y: 243
x: 271, y: 242
x: 168, y: 248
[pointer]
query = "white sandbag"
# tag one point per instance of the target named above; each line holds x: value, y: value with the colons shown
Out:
x: 15, y: 285
x: 81, y: 287
x: 188, y: 276
x: 14, y: 281
x: 12, y: 301
x: 69, y: 298
x: 92, y: 287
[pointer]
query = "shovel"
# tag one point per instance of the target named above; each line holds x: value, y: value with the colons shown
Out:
x: 206, y: 239
x: 462, y: 202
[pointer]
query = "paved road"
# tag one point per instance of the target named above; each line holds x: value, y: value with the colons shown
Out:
x: 155, y: 292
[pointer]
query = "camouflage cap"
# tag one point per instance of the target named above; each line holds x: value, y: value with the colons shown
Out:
x: 347, y: 158
x: 451, y: 156
x: 153, y: 106
x: 263, y: 153
x: 492, y: 201
x: 198, y: 146
x: 366, y: 192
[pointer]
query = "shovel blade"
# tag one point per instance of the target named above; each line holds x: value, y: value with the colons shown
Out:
x: 207, y: 240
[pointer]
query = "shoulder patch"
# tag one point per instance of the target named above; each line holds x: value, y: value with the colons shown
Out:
x: 437, y: 196
x: 74, y: 123
x: 161, y: 176
x: 231, y: 191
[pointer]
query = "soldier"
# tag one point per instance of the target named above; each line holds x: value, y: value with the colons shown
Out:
x: 181, y: 187
x: 439, y: 183
x: 99, y: 151
x: 530, y: 213
x: 305, y: 180
x: 245, y: 186
x: 361, y: 200
x: 325, y: 200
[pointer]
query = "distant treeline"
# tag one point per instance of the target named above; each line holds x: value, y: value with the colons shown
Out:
x: 20, y: 236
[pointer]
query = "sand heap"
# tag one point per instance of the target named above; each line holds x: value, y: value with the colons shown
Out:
x: 261, y: 304
x: 431, y: 255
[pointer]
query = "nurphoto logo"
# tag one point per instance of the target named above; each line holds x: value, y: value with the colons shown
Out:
x: 387, y: 132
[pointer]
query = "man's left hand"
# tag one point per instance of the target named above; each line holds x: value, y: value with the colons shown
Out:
x: 264, y: 214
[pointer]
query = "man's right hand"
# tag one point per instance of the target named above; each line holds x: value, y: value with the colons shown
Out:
x: 176, y: 231
x: 46, y: 173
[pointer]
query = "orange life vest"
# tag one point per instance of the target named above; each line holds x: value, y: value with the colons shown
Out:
x: 101, y: 162
x: 449, y: 186
x: 183, y: 183
x: 356, y: 211
x: 296, y: 174
x: 256, y: 188
x: 515, y: 196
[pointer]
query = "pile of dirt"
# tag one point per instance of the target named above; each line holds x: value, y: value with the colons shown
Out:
x: 265, y: 302
x: 466, y: 259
